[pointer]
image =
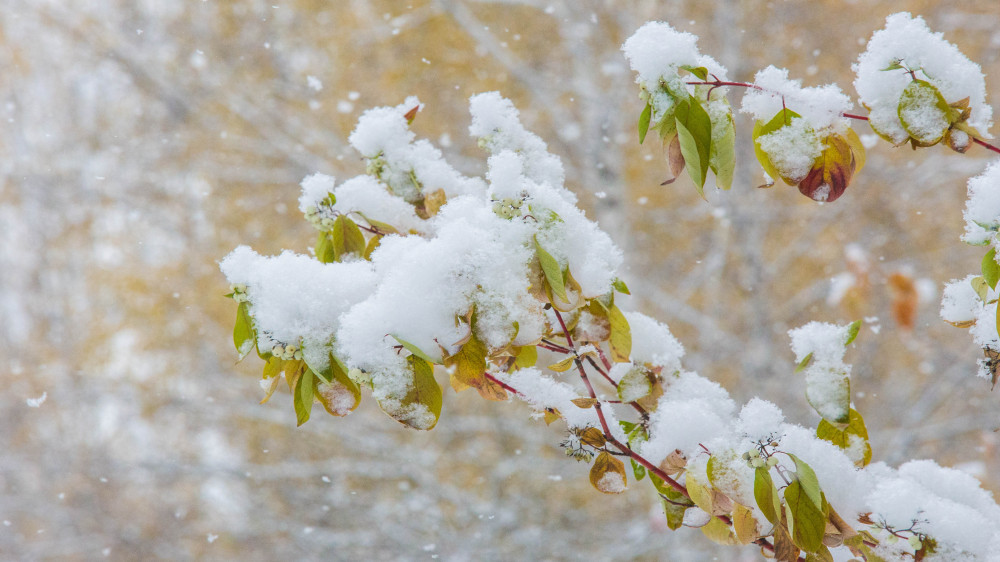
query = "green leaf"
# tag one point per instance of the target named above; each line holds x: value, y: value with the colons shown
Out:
x: 324, y: 248
x: 991, y: 269
x: 347, y: 238
x: 761, y: 129
x: 841, y: 436
x: 807, y: 478
x: 470, y: 362
x: 894, y: 65
x: 416, y: 350
x: 766, y: 495
x: 638, y: 471
x: 674, y: 513
x: 804, y: 363
x: 620, y: 339
x: 620, y: 286
x: 981, y: 288
x: 304, y: 395
x: 852, y: 332
x: 553, y: 273
x: 526, y: 357
x: 694, y: 130
x: 821, y: 555
x: 723, y: 158
x: 700, y: 71
x: 924, y: 113
x: 423, y: 390
x: 634, y: 385
x: 243, y: 332
x: 805, y: 519
x: 644, y: 117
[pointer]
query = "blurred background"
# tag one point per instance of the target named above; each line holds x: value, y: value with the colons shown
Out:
x: 142, y: 140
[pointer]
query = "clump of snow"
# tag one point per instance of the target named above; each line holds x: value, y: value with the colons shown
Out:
x: 542, y: 391
x: 947, y: 504
x: 497, y: 125
x: 383, y: 136
x: 982, y: 209
x: 295, y: 298
x: 657, y: 52
x: 908, y: 42
x: 366, y: 196
x: 821, y: 107
x: 612, y: 483
x: 759, y: 420
x: 521, y: 172
x: 693, y: 410
x: 315, y: 188
x: 652, y: 343
x: 827, y: 376
x: 959, y: 302
x: 792, y: 149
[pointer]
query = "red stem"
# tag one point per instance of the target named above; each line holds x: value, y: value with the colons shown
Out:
x: 505, y: 386
x: 986, y: 145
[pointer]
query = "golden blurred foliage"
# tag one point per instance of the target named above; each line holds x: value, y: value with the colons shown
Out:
x: 144, y: 140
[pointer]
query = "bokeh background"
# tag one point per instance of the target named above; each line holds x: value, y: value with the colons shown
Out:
x: 142, y: 140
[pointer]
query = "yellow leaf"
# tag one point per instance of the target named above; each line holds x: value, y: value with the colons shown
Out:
x: 564, y: 365
x: 607, y: 474
x: 621, y: 335
x: 744, y: 524
x: 718, y: 532
x: 593, y: 437
x: 551, y: 415
x: 433, y: 202
x: 584, y: 402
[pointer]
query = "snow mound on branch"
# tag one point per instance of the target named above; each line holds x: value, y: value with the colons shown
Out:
x: 906, y: 40
x: 820, y: 106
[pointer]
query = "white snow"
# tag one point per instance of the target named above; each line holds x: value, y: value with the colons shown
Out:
x: 982, y: 209
x: 821, y: 107
x: 906, y: 40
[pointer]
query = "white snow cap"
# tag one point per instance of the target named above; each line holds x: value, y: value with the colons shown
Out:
x: 819, y: 106
x: 295, y: 297
x: 982, y: 209
x: 315, y: 189
x: 907, y: 41
x: 657, y: 50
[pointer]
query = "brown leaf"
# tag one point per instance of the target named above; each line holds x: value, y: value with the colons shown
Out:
x: 784, y: 549
x: 584, y: 402
x: 411, y: 114
x: 492, y: 391
x: 593, y: 437
x: 831, y: 173
x: 675, y: 159
x: 674, y: 463
x: 904, y: 300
